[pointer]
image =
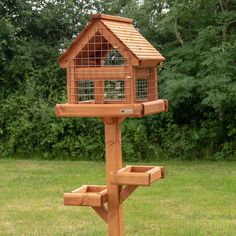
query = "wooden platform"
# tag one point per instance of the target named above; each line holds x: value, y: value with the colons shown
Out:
x: 87, y: 195
x: 111, y: 110
x: 137, y: 175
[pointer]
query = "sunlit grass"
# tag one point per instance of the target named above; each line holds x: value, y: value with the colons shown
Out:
x: 196, y: 198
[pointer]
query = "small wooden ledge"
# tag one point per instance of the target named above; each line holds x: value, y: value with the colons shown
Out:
x: 87, y: 195
x: 137, y: 175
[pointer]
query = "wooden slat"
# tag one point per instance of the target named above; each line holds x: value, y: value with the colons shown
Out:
x: 141, y: 169
x: 96, y: 188
x: 130, y: 178
x: 155, y: 174
x: 137, y: 176
x: 150, y: 63
x: 155, y: 107
x: 72, y: 83
x: 99, y: 91
x: 82, y: 189
x: 138, y: 41
x: 79, y: 199
x: 152, y: 88
x: 147, y: 53
x: 118, y: 42
x: 122, y: 29
x: 115, y: 23
x: 104, y: 72
x: 112, y: 110
x: 102, y: 212
x: 126, y: 191
x: 93, y: 195
x: 125, y: 169
x: 143, y: 47
x: 109, y: 17
x: 82, y: 38
x: 129, y: 34
x: 99, y: 110
x: 113, y: 163
x: 146, y: 50
x: 157, y: 57
x: 162, y: 171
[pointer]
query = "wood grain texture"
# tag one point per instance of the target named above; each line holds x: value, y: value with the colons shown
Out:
x: 126, y: 191
x: 154, y: 107
x: 137, y: 175
x: 111, y: 110
x: 94, y: 195
x: 98, y: 73
x: 101, y: 211
x: 113, y: 163
x: 99, y: 110
x: 110, y: 17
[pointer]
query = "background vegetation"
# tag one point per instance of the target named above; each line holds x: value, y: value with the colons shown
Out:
x: 198, y: 39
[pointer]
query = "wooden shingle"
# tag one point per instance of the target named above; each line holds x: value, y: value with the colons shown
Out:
x: 123, y: 29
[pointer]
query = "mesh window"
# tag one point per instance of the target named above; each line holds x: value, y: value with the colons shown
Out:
x: 114, y: 90
x: 86, y: 90
x: 114, y: 58
x: 141, y: 89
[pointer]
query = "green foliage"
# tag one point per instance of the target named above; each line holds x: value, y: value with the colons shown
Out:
x: 198, y: 78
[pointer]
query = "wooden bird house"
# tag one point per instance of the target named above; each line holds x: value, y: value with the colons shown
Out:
x: 111, y: 72
x: 110, y: 65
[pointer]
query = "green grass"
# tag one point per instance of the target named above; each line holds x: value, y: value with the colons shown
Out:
x: 196, y: 198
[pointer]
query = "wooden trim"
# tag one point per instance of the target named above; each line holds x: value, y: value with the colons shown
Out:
x: 126, y: 191
x: 162, y: 172
x: 99, y: 91
x: 154, y: 107
x: 130, y: 178
x: 87, y: 195
x: 152, y: 85
x: 134, y: 60
x: 112, y: 18
x: 136, y: 175
x: 155, y: 174
x: 99, y: 110
x: 75, y: 47
x: 111, y: 110
x: 82, y: 189
x: 103, y: 72
x: 68, y: 85
x: 72, y: 83
x: 101, y: 211
x: 113, y: 163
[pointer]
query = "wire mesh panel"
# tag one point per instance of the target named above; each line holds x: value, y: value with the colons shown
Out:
x: 114, y: 90
x: 98, y: 73
x: 142, y: 89
x: 146, y: 84
x: 85, y: 91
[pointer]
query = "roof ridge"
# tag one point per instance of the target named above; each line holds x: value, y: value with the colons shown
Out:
x: 111, y: 17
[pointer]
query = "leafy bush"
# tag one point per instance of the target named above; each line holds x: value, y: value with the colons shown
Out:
x: 198, y: 78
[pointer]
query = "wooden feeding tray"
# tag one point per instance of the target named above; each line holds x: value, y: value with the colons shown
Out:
x: 87, y: 195
x: 137, y: 175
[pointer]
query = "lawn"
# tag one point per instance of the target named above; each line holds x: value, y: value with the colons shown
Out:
x: 196, y: 198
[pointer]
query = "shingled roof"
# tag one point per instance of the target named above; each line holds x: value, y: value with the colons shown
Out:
x: 123, y: 29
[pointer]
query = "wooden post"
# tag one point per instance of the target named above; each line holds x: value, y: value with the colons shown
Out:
x: 113, y: 163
